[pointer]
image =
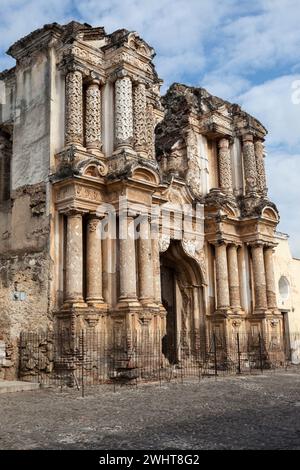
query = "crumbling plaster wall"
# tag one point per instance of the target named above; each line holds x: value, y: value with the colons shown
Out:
x: 25, y: 263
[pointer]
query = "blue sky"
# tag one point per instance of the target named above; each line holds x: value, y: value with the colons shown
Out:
x: 246, y: 52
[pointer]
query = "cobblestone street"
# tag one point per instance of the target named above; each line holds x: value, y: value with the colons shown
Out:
x: 253, y: 412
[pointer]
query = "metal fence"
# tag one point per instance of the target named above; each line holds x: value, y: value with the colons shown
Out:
x: 90, y: 358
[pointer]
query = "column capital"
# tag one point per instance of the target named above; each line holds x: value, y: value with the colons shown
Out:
x: 73, y: 66
x: 256, y: 244
x: 247, y: 138
x: 219, y: 242
x: 224, y: 142
x: 73, y: 212
x: 95, y: 79
x: 119, y: 74
x: 93, y: 223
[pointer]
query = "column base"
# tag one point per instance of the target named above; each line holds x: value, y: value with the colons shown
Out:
x: 97, y: 304
x: 238, y: 311
x: 223, y: 311
x: 74, y: 304
x: 124, y: 149
x: 129, y: 303
x: 263, y: 312
x: 96, y: 152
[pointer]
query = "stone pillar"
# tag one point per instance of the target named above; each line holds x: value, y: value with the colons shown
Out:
x: 145, y: 261
x: 93, y: 116
x: 234, y: 279
x: 127, y: 260
x: 260, y: 168
x: 249, y: 164
x: 74, y: 109
x: 123, y: 113
x: 259, y: 276
x: 225, y: 171
x: 270, y: 278
x: 94, y: 262
x: 156, y: 271
x: 74, y: 259
x: 223, y: 300
x: 140, y: 119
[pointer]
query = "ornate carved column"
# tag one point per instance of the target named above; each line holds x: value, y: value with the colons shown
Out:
x: 225, y: 171
x: 259, y: 276
x: 74, y: 259
x: 123, y: 113
x: 234, y: 280
x: 223, y: 300
x: 145, y: 262
x: 94, y: 262
x: 127, y: 260
x: 151, y: 124
x: 140, y: 119
x: 74, y: 109
x: 270, y: 278
x: 93, y: 116
x: 249, y: 164
x: 260, y: 167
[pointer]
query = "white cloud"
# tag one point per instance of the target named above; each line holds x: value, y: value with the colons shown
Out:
x: 246, y: 52
x: 284, y: 189
x: 272, y: 103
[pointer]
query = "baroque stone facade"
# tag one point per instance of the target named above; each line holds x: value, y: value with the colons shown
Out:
x: 107, y: 136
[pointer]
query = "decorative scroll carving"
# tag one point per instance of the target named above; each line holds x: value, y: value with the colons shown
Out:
x: 74, y: 127
x: 249, y: 164
x: 93, y: 116
x: 139, y: 117
x: 123, y: 111
x: 260, y: 168
x: 130, y: 59
x: 163, y: 243
x: 225, y: 171
x: 87, y: 193
x: 193, y: 176
x: 194, y: 249
x: 86, y: 56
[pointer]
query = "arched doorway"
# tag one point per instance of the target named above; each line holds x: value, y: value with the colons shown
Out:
x: 182, y: 297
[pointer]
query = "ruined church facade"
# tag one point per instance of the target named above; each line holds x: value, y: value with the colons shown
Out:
x: 83, y: 126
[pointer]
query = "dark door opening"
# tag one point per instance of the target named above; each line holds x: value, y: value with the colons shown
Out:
x: 286, y: 335
x: 169, y: 346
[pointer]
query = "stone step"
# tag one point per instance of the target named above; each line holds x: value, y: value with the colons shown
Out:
x: 8, y: 386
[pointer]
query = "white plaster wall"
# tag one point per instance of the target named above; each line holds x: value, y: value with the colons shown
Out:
x: 7, y: 99
x: 286, y: 265
x: 57, y: 109
x: 237, y: 166
x: 108, y: 118
x: 30, y: 162
x: 203, y: 152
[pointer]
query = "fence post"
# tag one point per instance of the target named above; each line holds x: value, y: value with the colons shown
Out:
x: 82, y: 364
x: 260, y: 353
x: 215, y: 354
x: 239, y: 352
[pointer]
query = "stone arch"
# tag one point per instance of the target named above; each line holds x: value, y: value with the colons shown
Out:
x: 270, y: 214
x: 183, y: 299
x: 92, y: 168
x: 145, y: 174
